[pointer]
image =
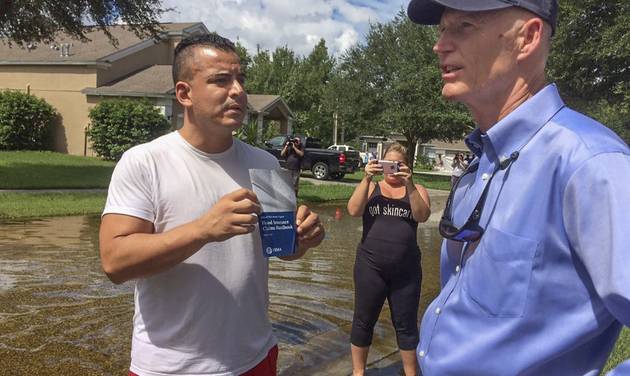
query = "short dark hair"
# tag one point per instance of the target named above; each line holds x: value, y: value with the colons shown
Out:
x: 185, y: 48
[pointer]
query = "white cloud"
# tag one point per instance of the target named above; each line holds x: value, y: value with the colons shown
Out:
x: 299, y: 24
x: 346, y: 40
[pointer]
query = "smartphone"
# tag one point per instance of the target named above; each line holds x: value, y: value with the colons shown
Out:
x: 389, y: 167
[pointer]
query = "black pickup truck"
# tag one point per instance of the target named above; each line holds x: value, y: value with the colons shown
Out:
x: 323, y: 163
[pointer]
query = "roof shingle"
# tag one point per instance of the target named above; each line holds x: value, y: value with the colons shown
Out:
x: 92, y: 51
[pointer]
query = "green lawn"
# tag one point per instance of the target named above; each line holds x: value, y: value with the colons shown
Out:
x: 37, y: 205
x: 427, y: 180
x: 310, y: 192
x: 49, y: 170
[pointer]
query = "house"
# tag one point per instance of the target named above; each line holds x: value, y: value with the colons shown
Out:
x: 374, y: 144
x: 444, y: 149
x: 442, y: 153
x: 434, y: 150
x: 74, y: 76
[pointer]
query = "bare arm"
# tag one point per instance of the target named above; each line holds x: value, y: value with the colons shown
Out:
x: 359, y: 198
x: 298, y: 151
x: 285, y: 149
x: 130, y: 249
x: 418, y: 196
x: 419, y: 201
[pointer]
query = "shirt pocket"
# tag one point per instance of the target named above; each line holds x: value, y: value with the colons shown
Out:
x: 498, y: 274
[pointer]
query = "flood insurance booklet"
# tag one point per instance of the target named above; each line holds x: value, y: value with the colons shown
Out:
x: 276, y: 194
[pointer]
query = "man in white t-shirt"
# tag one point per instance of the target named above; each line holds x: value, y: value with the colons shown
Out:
x: 179, y: 220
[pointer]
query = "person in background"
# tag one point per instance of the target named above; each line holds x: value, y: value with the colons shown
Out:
x: 458, y: 165
x: 365, y: 158
x: 293, y: 151
x: 534, y: 265
x: 180, y: 220
x: 439, y: 162
x: 387, y: 264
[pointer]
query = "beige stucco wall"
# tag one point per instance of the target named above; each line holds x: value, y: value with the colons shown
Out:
x: 159, y: 54
x: 61, y: 87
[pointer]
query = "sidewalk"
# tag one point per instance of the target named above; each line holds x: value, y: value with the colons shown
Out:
x: 434, y: 173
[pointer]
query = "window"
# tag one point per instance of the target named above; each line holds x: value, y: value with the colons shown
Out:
x: 277, y: 141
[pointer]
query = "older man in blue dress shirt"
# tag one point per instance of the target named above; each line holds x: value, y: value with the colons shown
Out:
x: 535, y: 269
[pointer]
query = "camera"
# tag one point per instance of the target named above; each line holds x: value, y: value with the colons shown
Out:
x: 389, y: 167
x: 292, y: 141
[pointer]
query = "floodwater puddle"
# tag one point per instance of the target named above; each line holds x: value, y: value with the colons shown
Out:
x: 60, y: 315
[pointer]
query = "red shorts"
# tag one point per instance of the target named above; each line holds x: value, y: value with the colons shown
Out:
x: 267, y: 367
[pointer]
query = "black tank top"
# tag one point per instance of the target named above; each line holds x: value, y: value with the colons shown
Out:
x: 389, y: 219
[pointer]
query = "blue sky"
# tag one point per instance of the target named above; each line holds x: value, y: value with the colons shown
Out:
x: 298, y: 24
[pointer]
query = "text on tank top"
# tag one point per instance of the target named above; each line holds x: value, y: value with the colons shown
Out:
x: 389, y: 219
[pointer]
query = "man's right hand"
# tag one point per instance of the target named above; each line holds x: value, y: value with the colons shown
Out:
x: 232, y: 215
x: 131, y: 249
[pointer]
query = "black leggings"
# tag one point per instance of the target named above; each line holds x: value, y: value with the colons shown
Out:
x: 393, y: 273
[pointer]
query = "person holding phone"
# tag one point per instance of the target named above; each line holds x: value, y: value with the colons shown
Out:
x: 387, y: 264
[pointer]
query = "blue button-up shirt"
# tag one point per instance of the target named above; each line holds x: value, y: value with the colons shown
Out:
x: 546, y: 289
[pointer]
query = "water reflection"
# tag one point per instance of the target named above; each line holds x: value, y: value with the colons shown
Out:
x: 60, y: 315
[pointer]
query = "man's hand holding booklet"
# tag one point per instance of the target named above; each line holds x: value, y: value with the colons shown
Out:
x: 275, y: 192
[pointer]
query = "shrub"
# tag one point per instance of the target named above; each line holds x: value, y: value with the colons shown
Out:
x: 424, y: 163
x: 25, y: 121
x: 118, y: 124
x: 248, y: 132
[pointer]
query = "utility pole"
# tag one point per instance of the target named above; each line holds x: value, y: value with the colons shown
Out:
x: 335, y: 128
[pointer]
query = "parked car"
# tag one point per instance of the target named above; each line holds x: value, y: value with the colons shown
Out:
x: 341, y: 147
x: 363, y: 157
x: 323, y: 163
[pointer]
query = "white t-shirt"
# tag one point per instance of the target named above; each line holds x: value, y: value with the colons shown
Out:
x: 207, y: 315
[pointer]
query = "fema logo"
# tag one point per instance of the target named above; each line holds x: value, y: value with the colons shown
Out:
x: 269, y: 250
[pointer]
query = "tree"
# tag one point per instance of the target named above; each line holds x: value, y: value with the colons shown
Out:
x: 307, y: 92
x: 590, y: 60
x: 299, y: 80
x: 392, y: 84
x: 270, y: 73
x: 23, y: 22
x: 246, y: 59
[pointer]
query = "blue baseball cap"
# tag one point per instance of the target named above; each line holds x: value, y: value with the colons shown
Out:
x: 429, y: 12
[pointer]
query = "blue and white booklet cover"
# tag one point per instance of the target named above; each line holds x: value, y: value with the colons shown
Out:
x: 276, y: 221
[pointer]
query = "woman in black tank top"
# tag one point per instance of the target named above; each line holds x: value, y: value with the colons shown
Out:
x: 387, y: 264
